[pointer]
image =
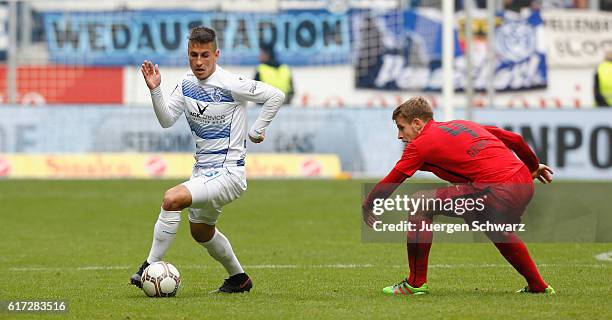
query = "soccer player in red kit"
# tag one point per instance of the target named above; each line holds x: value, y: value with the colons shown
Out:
x: 479, y: 160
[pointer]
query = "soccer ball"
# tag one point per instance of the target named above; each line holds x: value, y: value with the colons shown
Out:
x: 160, y: 279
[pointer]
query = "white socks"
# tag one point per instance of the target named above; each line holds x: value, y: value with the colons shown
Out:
x: 163, y: 234
x: 221, y: 250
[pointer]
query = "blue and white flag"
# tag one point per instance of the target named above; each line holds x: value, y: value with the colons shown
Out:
x: 403, y: 51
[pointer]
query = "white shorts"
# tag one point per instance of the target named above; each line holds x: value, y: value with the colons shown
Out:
x: 211, y: 189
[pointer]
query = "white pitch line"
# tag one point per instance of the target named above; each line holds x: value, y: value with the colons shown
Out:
x: 316, y: 266
x: 258, y: 266
x: 606, y: 256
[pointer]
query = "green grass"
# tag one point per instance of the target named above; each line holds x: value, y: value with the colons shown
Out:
x: 302, y: 227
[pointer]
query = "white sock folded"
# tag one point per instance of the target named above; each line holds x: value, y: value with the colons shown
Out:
x: 164, y: 233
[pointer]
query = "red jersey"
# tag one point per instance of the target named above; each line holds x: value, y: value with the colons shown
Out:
x: 460, y: 151
x: 464, y: 151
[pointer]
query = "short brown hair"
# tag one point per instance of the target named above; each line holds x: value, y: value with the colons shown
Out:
x: 415, y: 107
x: 203, y: 35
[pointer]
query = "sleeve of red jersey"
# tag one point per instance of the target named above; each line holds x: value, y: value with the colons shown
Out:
x: 516, y: 143
x: 410, y: 162
x: 385, y: 187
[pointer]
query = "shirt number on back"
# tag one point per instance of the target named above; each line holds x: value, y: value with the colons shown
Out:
x: 457, y: 129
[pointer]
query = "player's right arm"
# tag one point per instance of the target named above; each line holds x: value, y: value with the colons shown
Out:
x: 410, y: 162
x: 383, y: 189
x: 167, y: 113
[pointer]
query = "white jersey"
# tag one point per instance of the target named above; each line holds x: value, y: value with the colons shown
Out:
x: 215, y: 109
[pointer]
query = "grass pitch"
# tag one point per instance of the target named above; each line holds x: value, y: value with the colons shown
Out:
x: 299, y: 241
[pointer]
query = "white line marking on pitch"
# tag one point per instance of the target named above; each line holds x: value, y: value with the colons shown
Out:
x: 297, y: 266
x: 606, y: 256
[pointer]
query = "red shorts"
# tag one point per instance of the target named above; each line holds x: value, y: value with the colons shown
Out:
x: 503, y: 202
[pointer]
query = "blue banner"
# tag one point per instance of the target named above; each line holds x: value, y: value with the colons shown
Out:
x: 4, y: 36
x: 403, y: 51
x: 127, y: 38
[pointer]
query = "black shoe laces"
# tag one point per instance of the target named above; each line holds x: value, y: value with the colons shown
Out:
x: 401, y: 283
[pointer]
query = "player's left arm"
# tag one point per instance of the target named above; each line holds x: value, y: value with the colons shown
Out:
x: 517, y: 144
x: 270, y: 97
x: 543, y: 173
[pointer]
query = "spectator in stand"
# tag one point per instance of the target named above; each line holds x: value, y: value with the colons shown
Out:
x: 602, y: 86
x: 272, y: 72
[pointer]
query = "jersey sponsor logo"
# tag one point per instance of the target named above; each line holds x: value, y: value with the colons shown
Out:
x: 200, y: 110
x: 209, y: 119
x: 253, y: 87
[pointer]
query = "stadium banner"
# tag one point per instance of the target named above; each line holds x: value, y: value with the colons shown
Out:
x: 160, y: 165
x: 4, y: 36
x: 38, y: 85
x: 403, y: 51
x: 577, y: 38
x: 576, y: 143
x: 300, y: 37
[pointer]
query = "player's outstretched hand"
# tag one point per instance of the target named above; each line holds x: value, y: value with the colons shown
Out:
x: 368, y: 217
x: 151, y: 74
x: 544, y: 174
x: 257, y: 139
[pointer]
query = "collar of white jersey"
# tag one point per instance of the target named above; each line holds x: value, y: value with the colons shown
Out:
x: 218, y: 70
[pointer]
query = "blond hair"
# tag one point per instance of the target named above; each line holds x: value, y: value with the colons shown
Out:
x: 415, y: 107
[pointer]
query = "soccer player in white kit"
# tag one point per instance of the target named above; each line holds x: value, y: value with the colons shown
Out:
x: 214, y: 103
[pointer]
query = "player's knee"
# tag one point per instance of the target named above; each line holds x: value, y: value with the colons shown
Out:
x: 176, y: 199
x: 202, y: 234
x: 172, y: 202
x: 199, y: 237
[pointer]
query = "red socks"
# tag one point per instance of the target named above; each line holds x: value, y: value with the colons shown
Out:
x: 418, y: 243
x: 515, y: 252
x: 512, y: 248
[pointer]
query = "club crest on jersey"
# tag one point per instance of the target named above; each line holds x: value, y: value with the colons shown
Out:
x: 216, y: 95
